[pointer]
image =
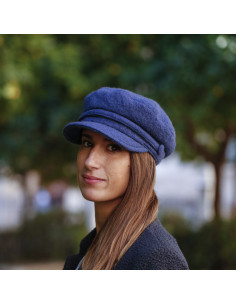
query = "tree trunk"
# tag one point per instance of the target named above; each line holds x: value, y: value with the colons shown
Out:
x: 30, y: 185
x: 217, y: 198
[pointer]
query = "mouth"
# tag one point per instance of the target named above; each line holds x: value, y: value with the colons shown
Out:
x: 91, y: 179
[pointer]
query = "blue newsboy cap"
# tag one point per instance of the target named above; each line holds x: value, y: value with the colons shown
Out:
x: 135, y: 122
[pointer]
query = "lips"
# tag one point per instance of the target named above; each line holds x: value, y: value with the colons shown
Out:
x: 92, y: 179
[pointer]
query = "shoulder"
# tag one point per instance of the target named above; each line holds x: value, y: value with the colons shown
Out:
x: 165, y: 259
x: 86, y: 241
x: 154, y: 249
x: 72, y: 262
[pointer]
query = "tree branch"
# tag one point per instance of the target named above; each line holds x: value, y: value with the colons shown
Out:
x: 220, y: 156
x: 190, y: 135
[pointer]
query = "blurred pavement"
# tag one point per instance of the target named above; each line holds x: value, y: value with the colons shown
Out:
x: 58, y: 265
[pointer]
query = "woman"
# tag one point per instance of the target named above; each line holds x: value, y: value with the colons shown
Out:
x: 123, y: 136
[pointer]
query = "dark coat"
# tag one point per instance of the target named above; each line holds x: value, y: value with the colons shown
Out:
x: 154, y: 249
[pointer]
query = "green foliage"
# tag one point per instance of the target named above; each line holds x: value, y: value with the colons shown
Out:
x: 38, y: 96
x: 212, y: 247
x: 215, y: 246
x: 175, y: 223
x: 44, y: 79
x: 54, y: 236
x: 49, y: 236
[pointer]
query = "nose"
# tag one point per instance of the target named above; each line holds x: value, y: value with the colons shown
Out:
x: 93, y: 159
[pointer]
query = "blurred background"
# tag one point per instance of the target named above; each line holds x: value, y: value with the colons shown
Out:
x: 43, y: 82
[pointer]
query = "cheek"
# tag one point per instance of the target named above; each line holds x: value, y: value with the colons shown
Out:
x: 126, y: 176
x: 120, y: 176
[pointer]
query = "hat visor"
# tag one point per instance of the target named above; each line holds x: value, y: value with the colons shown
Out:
x: 72, y: 132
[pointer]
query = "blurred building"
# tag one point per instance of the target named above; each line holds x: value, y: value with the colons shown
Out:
x: 42, y: 201
x: 11, y: 204
x: 56, y: 190
x: 187, y: 189
x: 74, y: 202
x: 183, y: 188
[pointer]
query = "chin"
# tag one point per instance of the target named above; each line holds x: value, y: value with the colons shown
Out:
x: 92, y: 196
x: 98, y: 196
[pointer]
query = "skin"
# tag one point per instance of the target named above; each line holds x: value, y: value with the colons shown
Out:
x: 101, y: 158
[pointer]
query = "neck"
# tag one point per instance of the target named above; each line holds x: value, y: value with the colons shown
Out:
x: 103, y: 211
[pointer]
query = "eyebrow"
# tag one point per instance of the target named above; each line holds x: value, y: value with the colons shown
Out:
x: 90, y: 137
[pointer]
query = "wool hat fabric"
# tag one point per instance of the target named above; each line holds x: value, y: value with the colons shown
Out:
x: 135, y: 122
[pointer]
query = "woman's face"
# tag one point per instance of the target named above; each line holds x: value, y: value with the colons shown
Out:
x: 103, y: 168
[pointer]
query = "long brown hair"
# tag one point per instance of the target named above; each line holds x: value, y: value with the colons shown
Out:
x: 135, y: 212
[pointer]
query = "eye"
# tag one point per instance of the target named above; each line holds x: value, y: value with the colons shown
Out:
x: 114, y: 147
x: 86, y: 143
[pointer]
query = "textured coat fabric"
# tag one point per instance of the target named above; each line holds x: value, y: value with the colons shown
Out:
x: 135, y: 122
x: 154, y: 249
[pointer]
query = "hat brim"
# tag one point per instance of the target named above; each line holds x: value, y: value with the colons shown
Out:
x: 72, y: 132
